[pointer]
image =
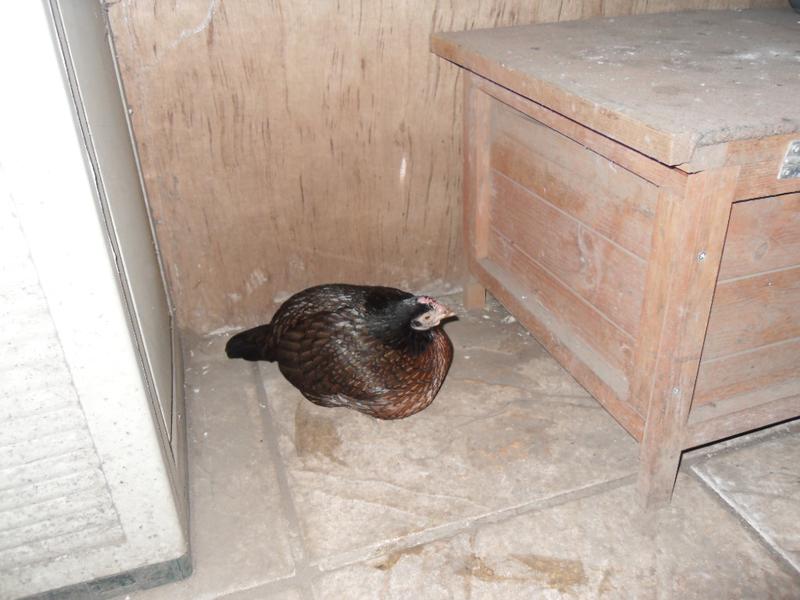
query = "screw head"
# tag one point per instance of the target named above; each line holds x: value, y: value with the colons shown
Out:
x: 701, y: 257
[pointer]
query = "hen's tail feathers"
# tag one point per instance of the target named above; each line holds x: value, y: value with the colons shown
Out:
x: 253, y: 344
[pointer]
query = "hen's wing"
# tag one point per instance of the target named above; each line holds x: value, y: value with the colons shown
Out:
x: 330, y: 358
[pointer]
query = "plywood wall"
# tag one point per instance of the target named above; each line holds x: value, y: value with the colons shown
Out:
x: 291, y: 142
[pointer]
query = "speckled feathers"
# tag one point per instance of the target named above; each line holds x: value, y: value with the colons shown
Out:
x: 355, y: 346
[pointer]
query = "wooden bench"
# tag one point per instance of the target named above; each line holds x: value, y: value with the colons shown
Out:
x: 630, y: 194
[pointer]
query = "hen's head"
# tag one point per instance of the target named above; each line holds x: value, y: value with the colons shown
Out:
x: 428, y: 313
x: 396, y: 313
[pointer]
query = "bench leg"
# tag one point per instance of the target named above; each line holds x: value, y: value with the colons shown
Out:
x: 688, y: 239
x: 658, y: 469
x: 474, y: 295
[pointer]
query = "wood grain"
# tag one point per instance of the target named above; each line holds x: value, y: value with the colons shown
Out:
x: 595, y: 269
x: 676, y: 311
x: 754, y: 311
x: 764, y: 235
x: 474, y: 295
x: 475, y: 193
x: 287, y: 143
x: 714, y: 425
x: 580, y: 325
x: 605, y: 197
x: 760, y: 161
x: 590, y: 369
x: 581, y: 71
x: 748, y: 372
x: 629, y: 159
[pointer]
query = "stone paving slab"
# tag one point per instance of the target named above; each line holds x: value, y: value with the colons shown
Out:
x: 240, y: 536
x: 598, y: 547
x: 761, y: 482
x: 509, y: 428
x: 515, y: 483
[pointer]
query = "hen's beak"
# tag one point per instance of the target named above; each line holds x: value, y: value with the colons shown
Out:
x: 440, y: 310
x: 449, y: 312
x: 444, y: 312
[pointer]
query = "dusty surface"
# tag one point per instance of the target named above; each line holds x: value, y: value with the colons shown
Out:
x: 596, y: 547
x: 240, y: 536
x: 761, y: 482
x: 507, y: 429
x: 703, y: 77
x: 513, y: 484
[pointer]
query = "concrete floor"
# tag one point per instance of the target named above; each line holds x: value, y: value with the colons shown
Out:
x: 513, y: 484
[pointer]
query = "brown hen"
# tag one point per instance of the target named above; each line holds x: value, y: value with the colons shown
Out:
x: 378, y: 350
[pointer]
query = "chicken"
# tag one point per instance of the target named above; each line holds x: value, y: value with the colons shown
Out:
x: 378, y: 350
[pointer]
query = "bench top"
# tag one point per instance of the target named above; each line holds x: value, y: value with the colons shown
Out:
x: 664, y: 84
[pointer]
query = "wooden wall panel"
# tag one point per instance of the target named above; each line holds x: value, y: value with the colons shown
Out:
x: 591, y: 266
x: 763, y: 235
x: 607, y: 350
x: 287, y: 143
x: 554, y: 167
x: 749, y: 373
x: 752, y: 312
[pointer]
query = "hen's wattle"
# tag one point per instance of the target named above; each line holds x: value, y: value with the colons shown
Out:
x: 378, y: 350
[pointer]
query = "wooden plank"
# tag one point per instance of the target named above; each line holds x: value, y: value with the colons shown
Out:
x: 579, y: 359
x: 600, y: 272
x: 476, y: 192
x: 694, y: 102
x: 760, y: 160
x: 754, y: 311
x: 761, y: 181
x: 754, y: 417
x: 629, y: 131
x: 627, y: 158
x: 578, y: 320
x: 474, y: 294
x: 764, y: 235
x: 680, y: 289
x: 604, y: 196
x: 741, y: 153
x: 651, y: 325
x: 771, y: 391
x: 747, y: 372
